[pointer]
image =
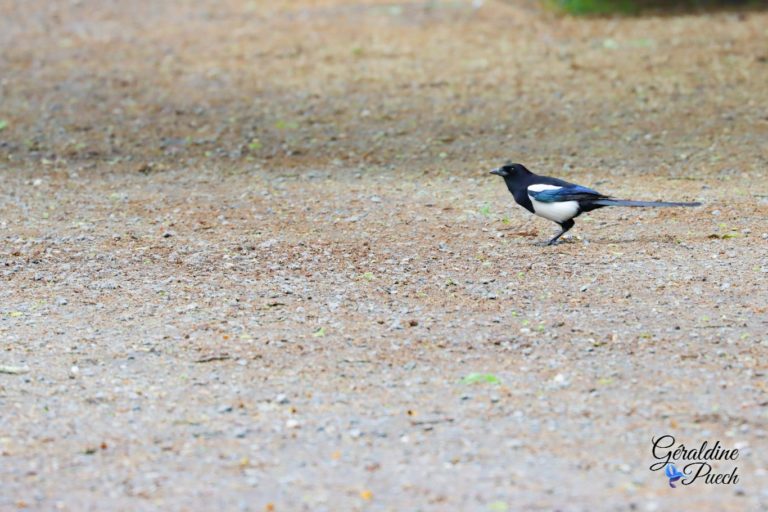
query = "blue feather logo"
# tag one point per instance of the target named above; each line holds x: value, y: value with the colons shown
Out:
x: 673, y: 474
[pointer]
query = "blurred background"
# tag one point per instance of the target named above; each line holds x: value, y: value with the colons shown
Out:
x: 427, y: 82
x: 640, y: 6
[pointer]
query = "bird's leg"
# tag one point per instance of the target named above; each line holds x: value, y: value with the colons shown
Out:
x: 565, y: 226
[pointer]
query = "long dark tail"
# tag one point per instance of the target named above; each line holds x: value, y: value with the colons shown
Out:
x: 621, y: 202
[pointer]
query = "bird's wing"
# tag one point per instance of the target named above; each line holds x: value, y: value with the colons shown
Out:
x: 555, y: 194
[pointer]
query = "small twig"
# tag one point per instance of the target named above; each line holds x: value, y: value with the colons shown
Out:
x: 14, y: 370
x: 759, y: 404
x: 213, y: 357
x: 431, y: 422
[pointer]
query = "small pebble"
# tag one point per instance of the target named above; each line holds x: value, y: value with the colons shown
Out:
x: 561, y: 381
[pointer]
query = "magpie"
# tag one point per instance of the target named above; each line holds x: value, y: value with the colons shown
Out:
x: 558, y: 200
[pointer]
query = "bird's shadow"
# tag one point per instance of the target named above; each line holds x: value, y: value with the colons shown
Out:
x: 571, y: 242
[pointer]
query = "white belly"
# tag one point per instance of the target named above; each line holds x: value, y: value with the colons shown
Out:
x: 557, y: 212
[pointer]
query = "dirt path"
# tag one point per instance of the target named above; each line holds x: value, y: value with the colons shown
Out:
x: 250, y: 257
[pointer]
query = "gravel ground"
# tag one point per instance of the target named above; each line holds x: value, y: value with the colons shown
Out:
x: 266, y: 269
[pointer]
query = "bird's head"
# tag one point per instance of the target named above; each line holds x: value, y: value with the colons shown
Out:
x: 510, y: 170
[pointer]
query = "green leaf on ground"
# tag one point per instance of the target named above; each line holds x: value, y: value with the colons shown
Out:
x: 281, y: 124
x: 498, y: 506
x: 725, y: 236
x: 483, y: 378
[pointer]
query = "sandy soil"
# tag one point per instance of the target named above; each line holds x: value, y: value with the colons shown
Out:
x: 250, y: 253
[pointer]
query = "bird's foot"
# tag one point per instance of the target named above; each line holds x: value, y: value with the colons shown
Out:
x: 557, y: 241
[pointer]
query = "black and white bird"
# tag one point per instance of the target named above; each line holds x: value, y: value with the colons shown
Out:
x: 558, y: 200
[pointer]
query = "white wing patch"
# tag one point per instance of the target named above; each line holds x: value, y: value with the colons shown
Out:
x: 540, y: 186
x: 557, y: 212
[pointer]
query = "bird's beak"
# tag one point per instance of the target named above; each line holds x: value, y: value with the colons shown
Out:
x: 498, y: 172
